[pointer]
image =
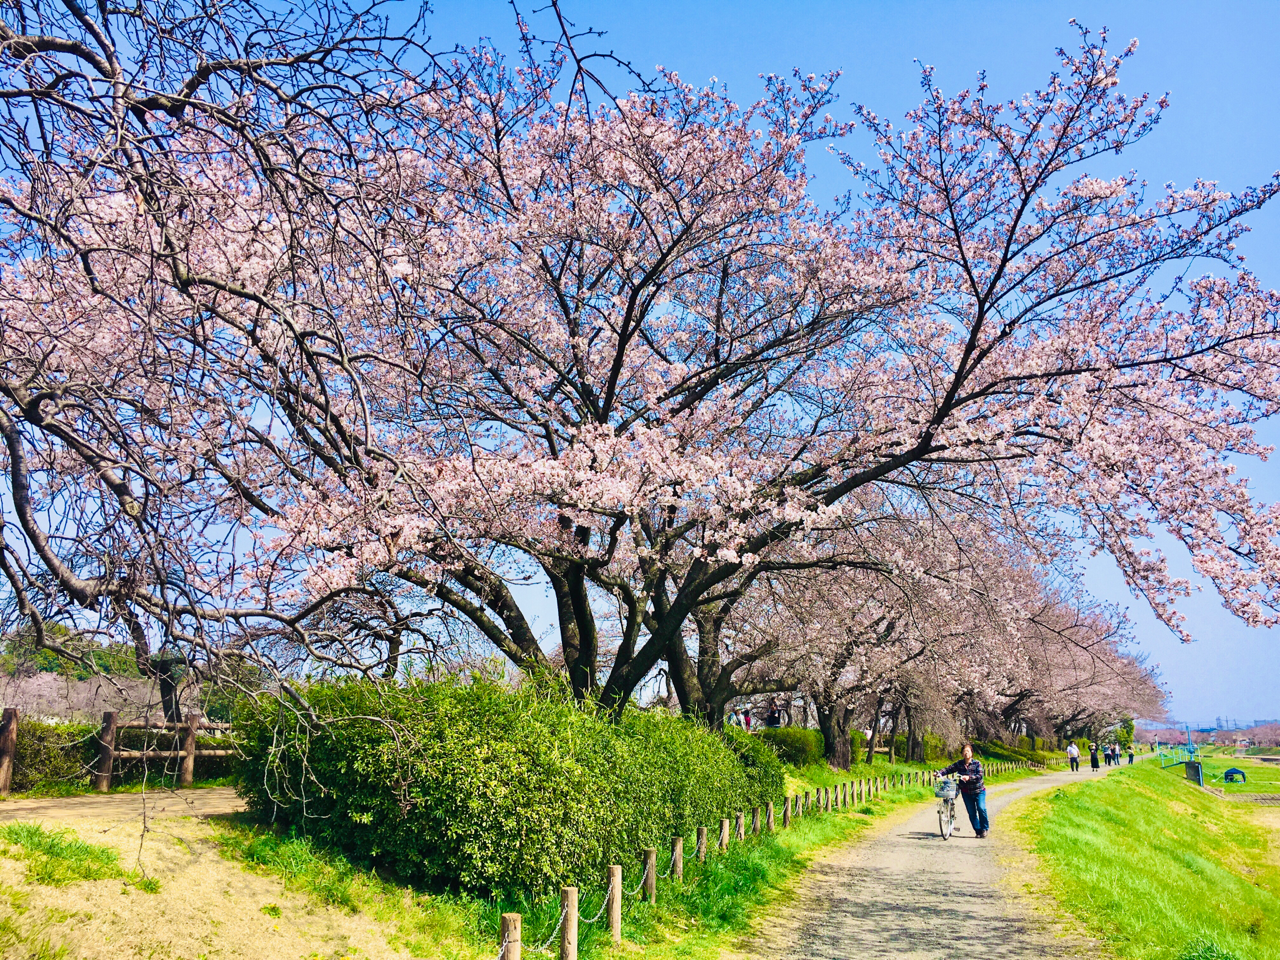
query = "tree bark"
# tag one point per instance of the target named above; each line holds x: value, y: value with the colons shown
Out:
x: 893, y: 734
x: 834, y: 721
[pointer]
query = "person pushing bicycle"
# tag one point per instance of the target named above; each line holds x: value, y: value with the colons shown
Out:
x: 973, y: 789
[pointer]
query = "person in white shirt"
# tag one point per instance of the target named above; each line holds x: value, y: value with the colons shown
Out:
x: 1073, y: 754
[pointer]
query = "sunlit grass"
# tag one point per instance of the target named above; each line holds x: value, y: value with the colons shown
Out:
x: 692, y: 919
x: 1158, y: 868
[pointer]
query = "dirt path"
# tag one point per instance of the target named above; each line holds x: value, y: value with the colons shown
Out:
x: 907, y: 893
x: 208, y: 802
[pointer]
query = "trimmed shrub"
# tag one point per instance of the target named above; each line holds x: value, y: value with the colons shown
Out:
x: 798, y: 746
x: 479, y: 787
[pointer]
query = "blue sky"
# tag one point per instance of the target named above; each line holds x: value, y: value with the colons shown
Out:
x: 1219, y: 62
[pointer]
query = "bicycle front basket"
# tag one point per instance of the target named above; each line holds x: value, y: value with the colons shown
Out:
x: 946, y: 789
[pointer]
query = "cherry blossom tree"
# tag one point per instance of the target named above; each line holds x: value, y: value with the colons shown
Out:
x: 320, y: 389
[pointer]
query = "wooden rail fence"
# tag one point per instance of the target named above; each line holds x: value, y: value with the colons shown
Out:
x: 186, y: 752
x: 842, y: 796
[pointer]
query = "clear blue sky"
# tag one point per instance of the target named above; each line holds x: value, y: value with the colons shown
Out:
x: 1220, y: 62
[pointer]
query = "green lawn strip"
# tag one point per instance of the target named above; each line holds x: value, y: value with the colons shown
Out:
x: 58, y: 857
x: 1157, y: 868
x: 693, y: 919
x: 1263, y: 777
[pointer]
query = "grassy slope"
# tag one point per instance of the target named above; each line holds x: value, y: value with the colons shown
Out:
x: 691, y: 920
x: 1263, y: 777
x: 1157, y: 868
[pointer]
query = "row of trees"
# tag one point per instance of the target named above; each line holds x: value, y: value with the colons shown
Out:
x: 315, y: 345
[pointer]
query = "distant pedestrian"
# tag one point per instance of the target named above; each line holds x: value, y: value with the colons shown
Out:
x: 746, y: 718
x: 774, y: 717
x: 1131, y: 753
x: 1093, y: 756
x: 732, y: 719
x: 1073, y: 754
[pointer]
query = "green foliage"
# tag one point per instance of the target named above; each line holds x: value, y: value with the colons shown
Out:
x: 797, y: 746
x: 1156, y: 867
x: 995, y: 750
x: 858, y: 744
x: 1124, y: 733
x: 764, y: 770
x: 19, y: 653
x: 59, y: 758
x: 690, y: 920
x: 56, y: 857
x: 479, y: 787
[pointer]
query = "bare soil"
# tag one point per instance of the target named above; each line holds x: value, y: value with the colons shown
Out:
x: 208, y: 908
x: 904, y: 892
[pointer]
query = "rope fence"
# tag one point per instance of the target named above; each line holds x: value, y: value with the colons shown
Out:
x: 794, y: 807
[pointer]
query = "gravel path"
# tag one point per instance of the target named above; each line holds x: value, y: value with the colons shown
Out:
x: 904, y: 892
x: 206, y: 802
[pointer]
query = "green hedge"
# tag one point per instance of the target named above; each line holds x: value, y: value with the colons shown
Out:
x: 59, y: 757
x: 798, y: 746
x: 479, y: 787
x: 1002, y: 751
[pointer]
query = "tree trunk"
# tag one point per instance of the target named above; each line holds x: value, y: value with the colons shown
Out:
x: 875, y: 731
x: 893, y: 735
x: 833, y: 721
x: 911, y: 735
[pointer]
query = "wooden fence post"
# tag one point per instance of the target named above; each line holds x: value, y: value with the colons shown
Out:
x: 651, y: 874
x: 509, y: 937
x: 615, y: 902
x: 677, y: 858
x: 701, y: 848
x: 826, y: 799
x: 106, y: 751
x: 569, y: 923
x: 805, y: 809
x: 8, y: 748
x: 786, y: 812
x: 768, y: 816
x: 724, y: 834
x: 188, y: 769
x: 755, y: 820
x: 739, y: 826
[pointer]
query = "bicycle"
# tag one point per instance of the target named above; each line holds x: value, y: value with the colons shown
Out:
x: 946, y: 790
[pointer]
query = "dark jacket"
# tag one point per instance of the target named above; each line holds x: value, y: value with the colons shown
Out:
x: 971, y: 769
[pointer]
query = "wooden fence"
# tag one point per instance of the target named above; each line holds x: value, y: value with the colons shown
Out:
x: 824, y: 800
x: 186, y: 752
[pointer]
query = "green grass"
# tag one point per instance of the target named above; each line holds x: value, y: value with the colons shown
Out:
x: 59, y: 857
x: 691, y: 919
x: 1157, y: 868
x: 1263, y: 777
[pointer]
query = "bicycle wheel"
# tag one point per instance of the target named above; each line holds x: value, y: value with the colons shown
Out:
x: 946, y: 818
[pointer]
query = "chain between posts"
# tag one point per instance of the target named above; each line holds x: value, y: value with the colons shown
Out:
x: 554, y: 933
x: 603, y: 906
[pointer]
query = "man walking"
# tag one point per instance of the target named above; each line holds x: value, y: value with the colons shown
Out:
x: 1073, y: 754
